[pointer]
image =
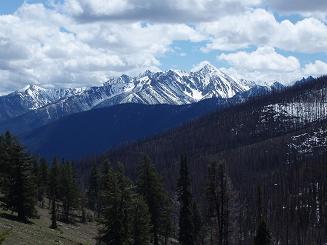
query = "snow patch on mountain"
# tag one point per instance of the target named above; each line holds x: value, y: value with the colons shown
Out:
x: 170, y: 87
x: 300, y: 112
x: 309, y: 143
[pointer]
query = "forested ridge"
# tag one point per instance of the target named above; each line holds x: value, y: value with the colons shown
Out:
x: 251, y: 174
x: 255, y: 141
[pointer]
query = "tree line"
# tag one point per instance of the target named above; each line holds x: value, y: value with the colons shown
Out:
x: 27, y: 181
x: 139, y: 212
x: 280, y: 204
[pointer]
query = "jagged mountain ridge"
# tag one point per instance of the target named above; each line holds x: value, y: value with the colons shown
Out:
x: 30, y: 98
x: 171, y: 87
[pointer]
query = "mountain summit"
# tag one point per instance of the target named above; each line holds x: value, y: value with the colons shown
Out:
x: 171, y: 87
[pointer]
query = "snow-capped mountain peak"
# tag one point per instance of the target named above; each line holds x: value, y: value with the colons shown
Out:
x: 30, y: 88
x: 170, y: 87
x: 209, y: 69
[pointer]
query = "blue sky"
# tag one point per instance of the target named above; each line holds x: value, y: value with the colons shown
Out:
x: 9, y: 6
x: 183, y: 56
x: 83, y: 42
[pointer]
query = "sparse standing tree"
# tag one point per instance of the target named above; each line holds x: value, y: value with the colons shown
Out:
x: 186, y: 229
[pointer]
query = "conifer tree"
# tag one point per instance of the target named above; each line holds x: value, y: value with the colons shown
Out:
x: 19, y: 189
x: 39, y: 187
x: 141, y: 227
x: 196, y: 220
x: 93, y: 192
x: 150, y: 187
x: 54, y: 191
x: 43, y: 180
x: 54, y: 179
x: 219, y: 199
x: 262, y: 236
x: 36, y: 173
x: 53, y: 213
x: 6, y: 141
x: 116, y: 229
x: 83, y: 205
x: 68, y: 190
x: 166, y: 222
x: 103, y: 178
x: 186, y: 229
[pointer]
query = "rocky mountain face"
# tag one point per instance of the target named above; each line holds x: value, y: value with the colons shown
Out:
x: 32, y: 97
x: 35, y: 106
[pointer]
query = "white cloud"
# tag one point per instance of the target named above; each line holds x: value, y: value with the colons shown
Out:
x: 154, y: 10
x: 316, y: 8
x: 260, y: 28
x: 265, y: 64
x: 41, y: 44
x: 317, y: 69
x: 298, y: 5
x: 263, y: 59
x: 80, y: 43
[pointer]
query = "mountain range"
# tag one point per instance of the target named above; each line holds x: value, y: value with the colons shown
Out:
x: 34, y: 113
x: 171, y: 87
x: 36, y: 106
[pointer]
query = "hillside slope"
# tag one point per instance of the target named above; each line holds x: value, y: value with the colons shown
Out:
x: 277, y: 143
x: 95, y: 131
x: 38, y: 232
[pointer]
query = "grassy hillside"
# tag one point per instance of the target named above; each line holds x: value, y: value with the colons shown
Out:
x: 38, y: 232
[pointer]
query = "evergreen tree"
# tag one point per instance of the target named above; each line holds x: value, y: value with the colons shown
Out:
x: 68, y: 190
x: 259, y: 210
x: 186, y: 229
x: 43, y: 180
x: 36, y: 175
x: 54, y: 179
x: 103, y: 178
x: 141, y: 222
x: 39, y: 175
x: 54, y: 191
x: 53, y: 213
x: 166, y: 222
x: 262, y: 236
x: 94, y: 189
x: 19, y: 189
x: 196, y: 220
x: 6, y: 142
x: 150, y: 187
x: 219, y: 196
x: 83, y: 211
x: 117, y: 210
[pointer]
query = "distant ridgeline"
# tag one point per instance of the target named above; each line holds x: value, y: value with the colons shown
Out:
x: 53, y: 122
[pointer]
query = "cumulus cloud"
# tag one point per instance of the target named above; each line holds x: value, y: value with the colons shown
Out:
x: 299, y: 5
x: 259, y: 27
x: 82, y: 42
x: 262, y: 59
x: 266, y: 65
x: 154, y: 10
x: 317, y: 69
x: 38, y: 44
x: 317, y: 8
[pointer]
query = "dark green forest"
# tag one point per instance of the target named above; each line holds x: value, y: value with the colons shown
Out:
x: 252, y: 174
